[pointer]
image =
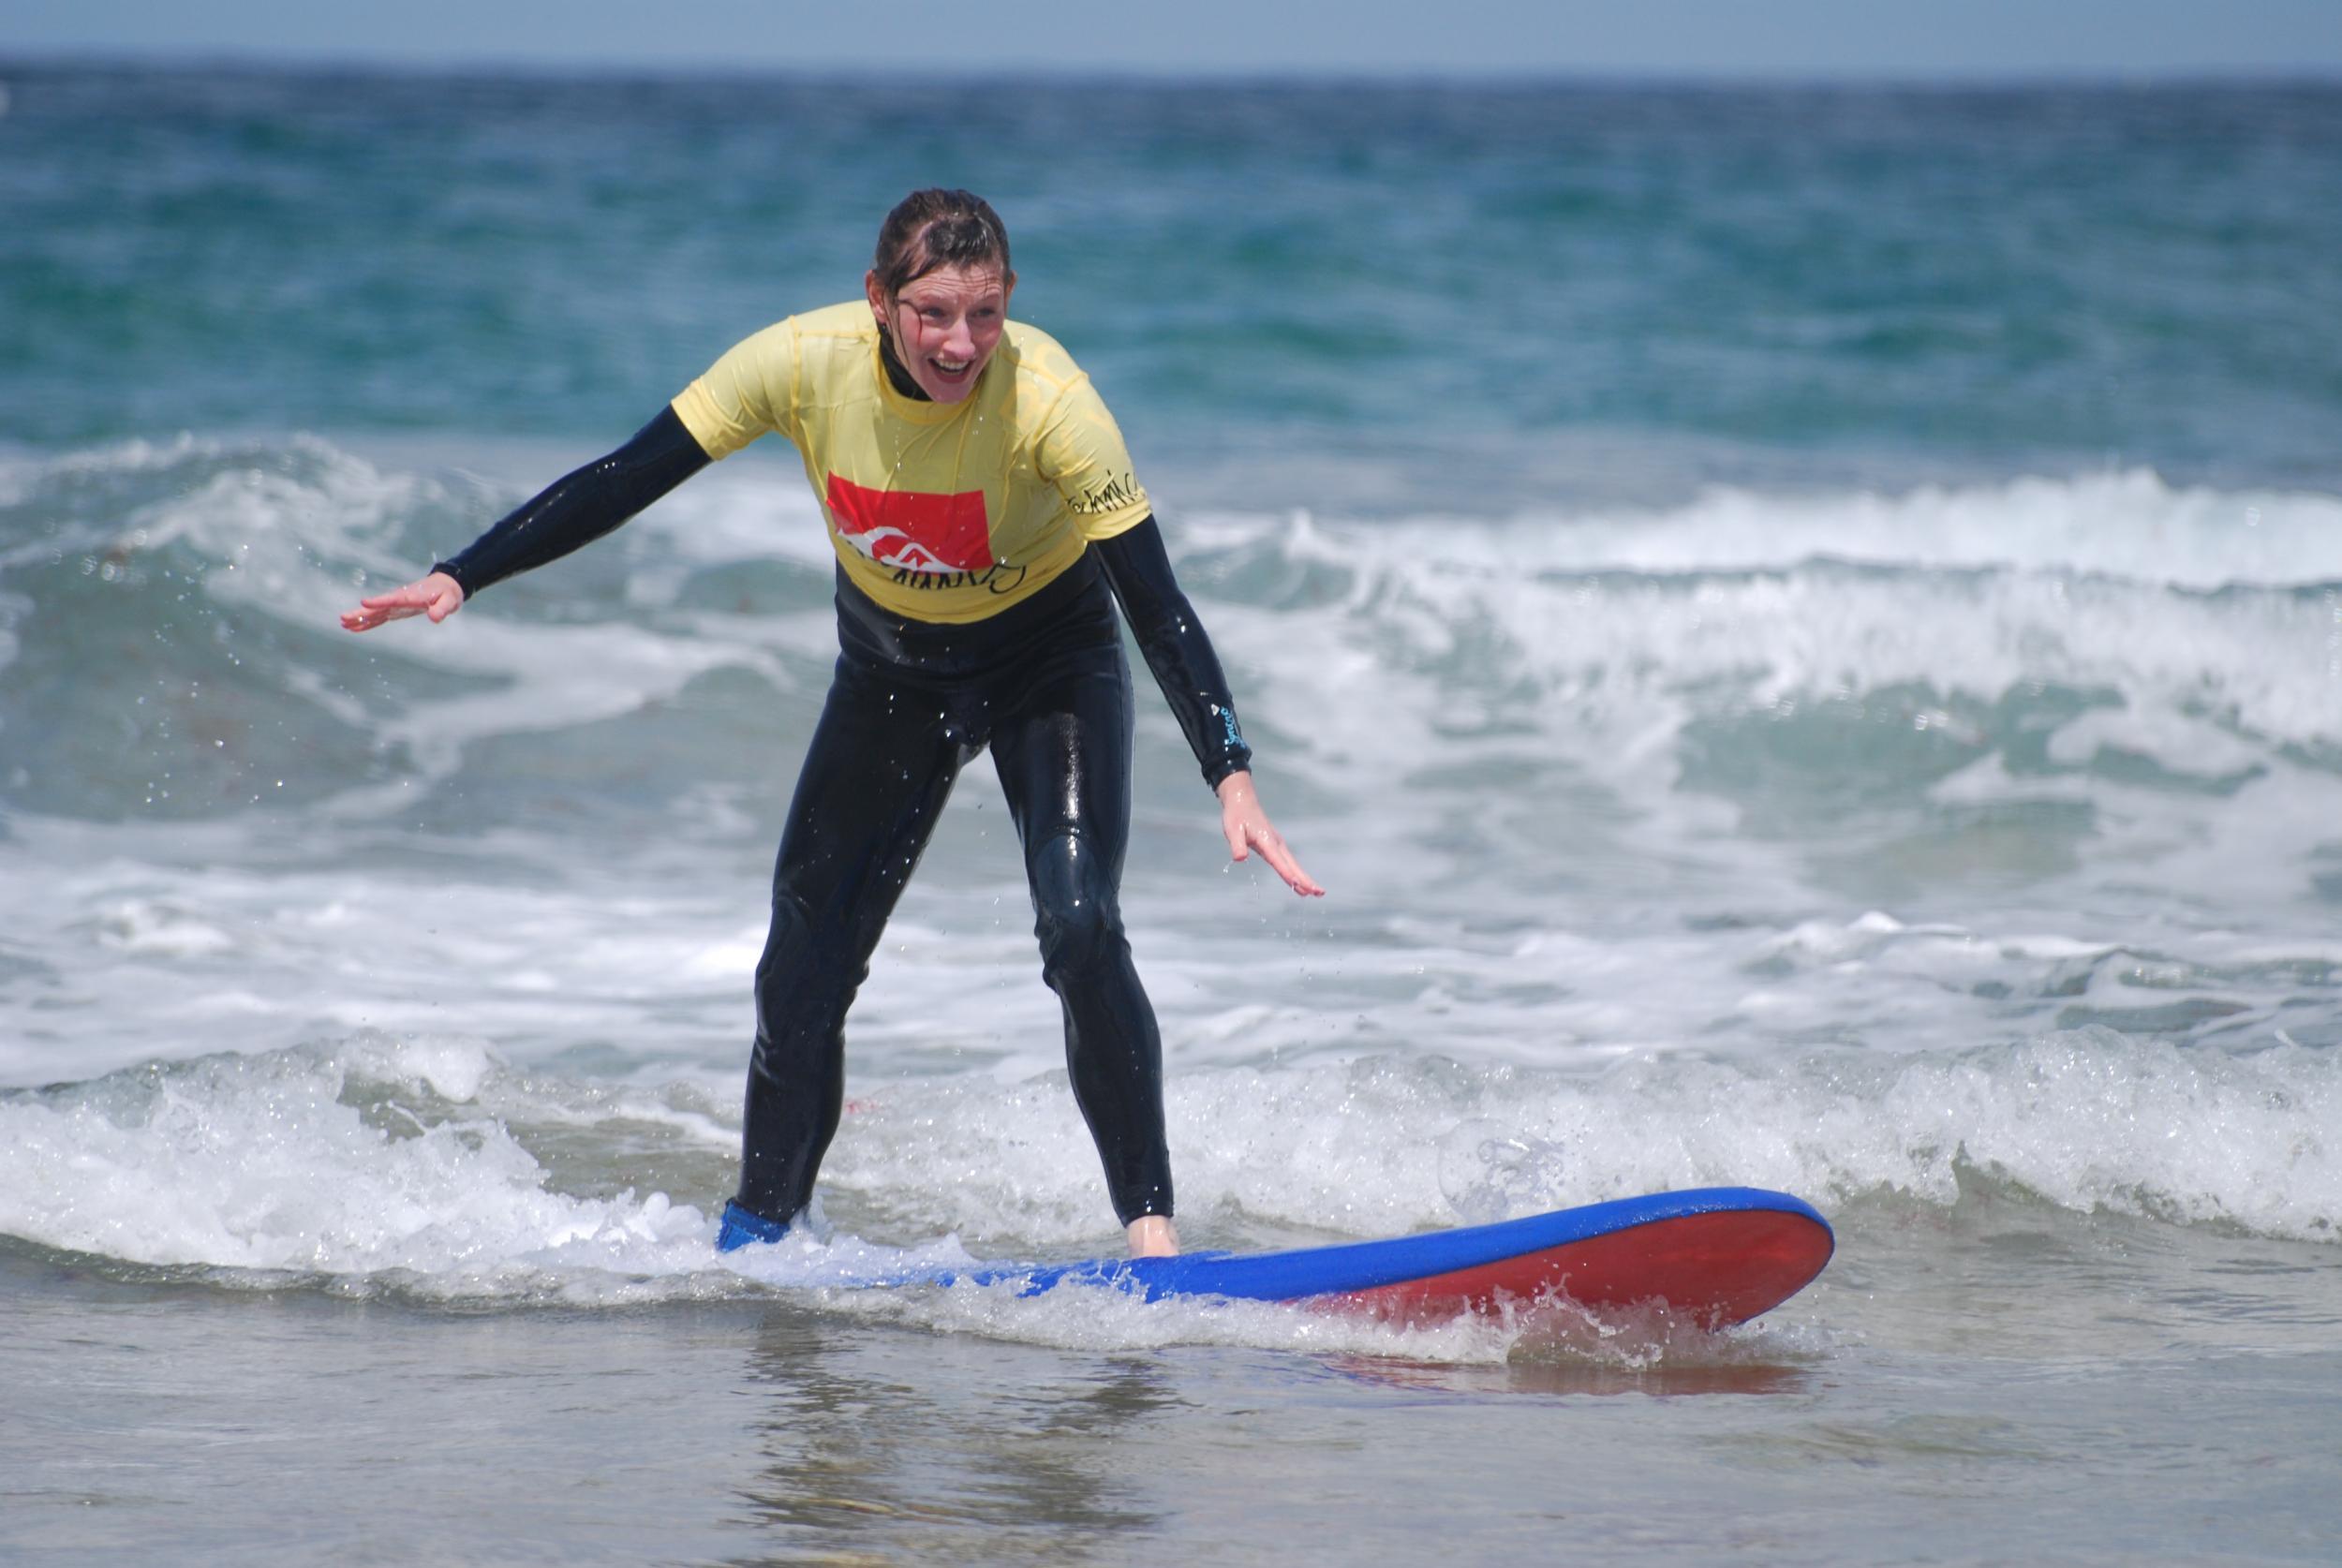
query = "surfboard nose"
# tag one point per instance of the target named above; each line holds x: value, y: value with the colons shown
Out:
x: 1717, y: 1270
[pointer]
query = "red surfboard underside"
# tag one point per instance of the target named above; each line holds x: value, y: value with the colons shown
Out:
x: 1717, y: 1270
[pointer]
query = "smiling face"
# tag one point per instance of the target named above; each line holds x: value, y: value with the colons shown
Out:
x: 945, y: 325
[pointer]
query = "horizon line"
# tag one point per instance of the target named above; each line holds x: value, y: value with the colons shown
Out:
x: 298, y: 63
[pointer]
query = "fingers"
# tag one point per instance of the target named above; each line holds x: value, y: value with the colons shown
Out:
x: 377, y: 611
x: 1245, y: 827
x: 1246, y: 836
x: 1272, y: 849
x: 437, y: 596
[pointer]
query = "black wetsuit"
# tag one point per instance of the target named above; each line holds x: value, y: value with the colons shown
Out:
x: 1046, y: 686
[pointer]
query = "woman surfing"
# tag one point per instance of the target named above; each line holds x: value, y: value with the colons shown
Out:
x: 985, y: 520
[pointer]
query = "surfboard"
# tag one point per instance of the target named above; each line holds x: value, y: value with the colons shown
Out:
x: 1713, y: 1255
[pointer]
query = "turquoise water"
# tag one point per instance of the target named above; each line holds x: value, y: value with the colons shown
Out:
x: 1802, y: 628
x: 1975, y: 278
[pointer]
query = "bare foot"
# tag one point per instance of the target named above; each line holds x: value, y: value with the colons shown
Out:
x: 1152, y: 1235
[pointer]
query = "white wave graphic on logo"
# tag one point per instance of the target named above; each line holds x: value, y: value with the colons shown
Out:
x: 891, y: 546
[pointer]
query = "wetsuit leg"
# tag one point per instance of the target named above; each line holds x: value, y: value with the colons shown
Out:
x: 880, y: 762
x: 1064, y: 761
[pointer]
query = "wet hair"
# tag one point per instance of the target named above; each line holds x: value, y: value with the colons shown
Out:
x: 936, y: 227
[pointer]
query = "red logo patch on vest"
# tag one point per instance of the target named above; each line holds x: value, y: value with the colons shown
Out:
x: 913, y: 530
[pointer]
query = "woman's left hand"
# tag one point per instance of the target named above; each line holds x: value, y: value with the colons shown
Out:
x: 437, y: 596
x: 1248, y: 829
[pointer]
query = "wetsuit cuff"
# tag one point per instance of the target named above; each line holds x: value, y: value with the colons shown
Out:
x: 455, y: 571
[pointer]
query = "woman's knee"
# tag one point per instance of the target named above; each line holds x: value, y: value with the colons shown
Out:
x: 1076, y: 913
x: 802, y: 982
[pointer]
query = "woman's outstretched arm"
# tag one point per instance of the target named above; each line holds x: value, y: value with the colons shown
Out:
x: 1172, y: 640
x: 573, y: 511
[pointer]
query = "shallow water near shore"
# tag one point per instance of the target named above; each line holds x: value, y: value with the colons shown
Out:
x: 1841, y: 699
x: 1919, y: 1393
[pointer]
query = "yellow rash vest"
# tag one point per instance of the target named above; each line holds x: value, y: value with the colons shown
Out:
x: 939, y: 512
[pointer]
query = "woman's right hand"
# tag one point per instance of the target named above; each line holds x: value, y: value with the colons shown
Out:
x: 437, y: 596
x: 1248, y: 828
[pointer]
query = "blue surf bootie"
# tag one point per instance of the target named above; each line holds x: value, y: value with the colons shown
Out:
x: 743, y: 1229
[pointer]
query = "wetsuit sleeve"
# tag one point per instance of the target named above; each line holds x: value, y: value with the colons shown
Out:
x: 1172, y: 639
x: 1081, y: 452
x: 582, y: 506
x: 751, y: 389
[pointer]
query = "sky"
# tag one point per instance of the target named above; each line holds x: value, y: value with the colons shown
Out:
x: 1774, y: 39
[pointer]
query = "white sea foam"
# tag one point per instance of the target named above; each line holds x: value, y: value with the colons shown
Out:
x: 1849, y: 846
x: 1625, y: 628
x: 262, y: 1170
x: 2086, y: 1118
x: 2128, y: 523
x: 374, y: 1164
x: 1623, y: 664
x: 254, y: 1162
x: 1611, y: 632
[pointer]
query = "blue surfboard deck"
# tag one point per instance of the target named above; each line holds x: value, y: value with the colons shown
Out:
x: 1718, y: 1255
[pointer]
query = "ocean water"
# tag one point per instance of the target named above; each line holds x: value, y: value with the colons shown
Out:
x: 1802, y: 628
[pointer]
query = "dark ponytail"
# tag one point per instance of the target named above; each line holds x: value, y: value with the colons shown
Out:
x: 936, y: 227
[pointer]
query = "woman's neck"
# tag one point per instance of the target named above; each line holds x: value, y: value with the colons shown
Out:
x: 895, y: 372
